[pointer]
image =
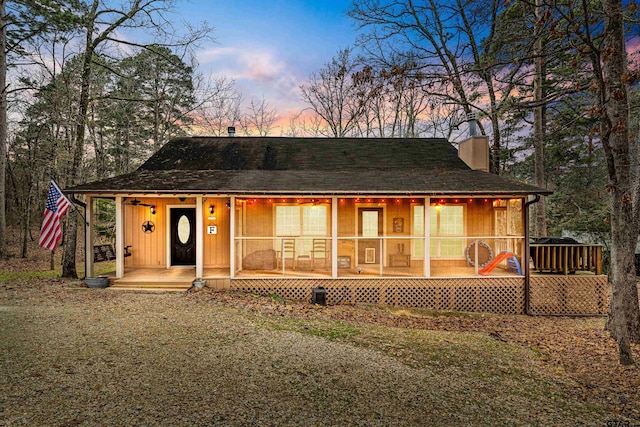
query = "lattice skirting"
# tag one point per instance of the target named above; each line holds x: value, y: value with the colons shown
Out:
x: 580, y: 294
x: 491, y: 295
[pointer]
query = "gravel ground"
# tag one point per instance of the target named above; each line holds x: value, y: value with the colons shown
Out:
x: 99, y: 357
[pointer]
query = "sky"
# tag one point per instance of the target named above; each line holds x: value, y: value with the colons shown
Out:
x: 270, y: 47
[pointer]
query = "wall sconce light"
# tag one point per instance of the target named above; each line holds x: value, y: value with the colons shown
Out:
x: 152, y: 208
x: 211, y: 209
x: 228, y: 204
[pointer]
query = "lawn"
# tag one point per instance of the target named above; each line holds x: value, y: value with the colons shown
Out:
x: 77, y: 356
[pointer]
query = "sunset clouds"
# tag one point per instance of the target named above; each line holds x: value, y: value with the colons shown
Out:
x: 270, y: 48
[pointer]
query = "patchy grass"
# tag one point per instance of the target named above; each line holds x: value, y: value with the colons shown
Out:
x: 223, y: 358
x: 331, y: 330
x: 99, y: 269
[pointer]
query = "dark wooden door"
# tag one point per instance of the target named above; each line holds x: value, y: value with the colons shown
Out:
x: 183, y: 238
x: 370, y: 223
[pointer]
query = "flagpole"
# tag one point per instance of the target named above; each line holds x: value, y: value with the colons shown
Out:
x: 74, y: 200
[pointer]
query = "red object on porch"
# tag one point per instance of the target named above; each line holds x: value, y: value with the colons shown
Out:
x: 497, y: 260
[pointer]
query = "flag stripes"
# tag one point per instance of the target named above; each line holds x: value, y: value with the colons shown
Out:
x: 57, y: 206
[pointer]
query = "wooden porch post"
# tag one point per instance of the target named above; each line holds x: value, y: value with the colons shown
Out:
x: 334, y: 237
x: 199, y: 239
x: 232, y: 232
x: 88, y: 241
x: 427, y: 237
x: 119, y: 239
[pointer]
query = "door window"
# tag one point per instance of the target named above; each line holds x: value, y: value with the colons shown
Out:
x: 184, y: 229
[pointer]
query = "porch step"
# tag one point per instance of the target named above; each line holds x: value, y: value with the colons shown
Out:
x: 151, y: 285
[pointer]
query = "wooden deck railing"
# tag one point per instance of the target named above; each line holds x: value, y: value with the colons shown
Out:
x: 568, y: 258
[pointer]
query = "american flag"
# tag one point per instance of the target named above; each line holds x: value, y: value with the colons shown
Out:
x: 57, y: 206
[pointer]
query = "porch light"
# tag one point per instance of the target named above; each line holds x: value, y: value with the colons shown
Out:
x: 211, y: 209
x: 152, y: 208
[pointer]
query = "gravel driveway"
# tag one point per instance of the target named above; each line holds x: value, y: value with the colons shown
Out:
x: 99, y: 357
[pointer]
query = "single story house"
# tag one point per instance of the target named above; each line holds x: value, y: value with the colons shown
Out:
x: 400, y: 221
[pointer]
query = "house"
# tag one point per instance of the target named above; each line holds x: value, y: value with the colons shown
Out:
x: 411, y: 222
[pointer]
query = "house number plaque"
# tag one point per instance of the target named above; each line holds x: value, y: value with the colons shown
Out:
x: 212, y: 229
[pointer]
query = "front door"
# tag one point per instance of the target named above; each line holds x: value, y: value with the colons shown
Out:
x: 369, y: 225
x: 183, y: 238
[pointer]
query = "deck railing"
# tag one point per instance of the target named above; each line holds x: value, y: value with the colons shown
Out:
x: 566, y: 258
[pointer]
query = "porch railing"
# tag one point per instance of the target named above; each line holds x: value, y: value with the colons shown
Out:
x: 566, y: 258
x: 370, y: 255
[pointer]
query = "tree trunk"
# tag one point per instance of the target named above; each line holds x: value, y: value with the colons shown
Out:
x: 69, y: 255
x: 624, y: 319
x: 26, y: 223
x: 539, y: 122
x: 70, y: 244
x: 3, y: 130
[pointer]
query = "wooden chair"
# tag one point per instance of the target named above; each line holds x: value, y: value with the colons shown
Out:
x: 319, y: 252
x: 288, y: 252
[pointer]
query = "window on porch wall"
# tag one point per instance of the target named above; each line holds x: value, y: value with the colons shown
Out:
x: 301, y: 221
x: 446, y: 222
x: 417, y: 229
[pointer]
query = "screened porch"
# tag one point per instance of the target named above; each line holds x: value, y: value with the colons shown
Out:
x: 342, y: 237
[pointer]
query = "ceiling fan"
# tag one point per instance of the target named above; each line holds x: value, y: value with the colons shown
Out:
x: 136, y: 202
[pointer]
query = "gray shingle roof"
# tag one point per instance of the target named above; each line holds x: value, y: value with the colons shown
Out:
x: 307, y: 166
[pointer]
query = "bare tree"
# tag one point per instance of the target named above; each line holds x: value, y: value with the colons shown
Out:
x: 103, y: 25
x: 624, y: 187
x: 599, y: 35
x: 259, y: 117
x: 220, y: 106
x: 449, y: 42
x: 333, y: 96
x: 3, y: 129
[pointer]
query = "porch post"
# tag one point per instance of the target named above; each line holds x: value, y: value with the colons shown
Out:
x: 119, y: 239
x: 232, y: 232
x: 199, y: 239
x: 88, y: 240
x: 525, y: 257
x: 334, y: 237
x: 427, y: 237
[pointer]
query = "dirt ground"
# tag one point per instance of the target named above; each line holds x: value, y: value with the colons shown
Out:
x: 76, y: 356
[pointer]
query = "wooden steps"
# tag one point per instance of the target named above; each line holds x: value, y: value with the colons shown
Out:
x: 167, y: 285
x: 159, y: 285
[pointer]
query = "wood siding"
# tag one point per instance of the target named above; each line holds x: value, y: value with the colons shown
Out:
x: 149, y: 250
x: 216, y: 246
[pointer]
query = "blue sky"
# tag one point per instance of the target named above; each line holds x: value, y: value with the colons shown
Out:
x: 270, y: 47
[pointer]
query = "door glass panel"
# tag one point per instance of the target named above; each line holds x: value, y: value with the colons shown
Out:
x: 370, y: 223
x: 184, y: 229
